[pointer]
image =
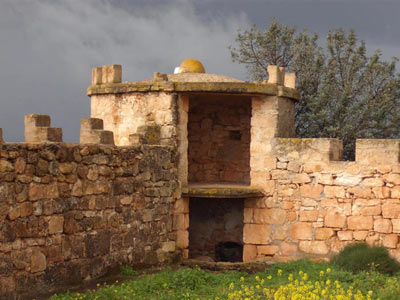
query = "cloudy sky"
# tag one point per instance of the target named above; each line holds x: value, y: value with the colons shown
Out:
x: 48, y: 47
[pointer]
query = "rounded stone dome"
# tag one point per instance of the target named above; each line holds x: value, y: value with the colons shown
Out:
x: 191, y: 65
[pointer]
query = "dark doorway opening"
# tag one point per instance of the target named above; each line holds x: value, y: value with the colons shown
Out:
x: 229, y: 252
x: 216, y: 229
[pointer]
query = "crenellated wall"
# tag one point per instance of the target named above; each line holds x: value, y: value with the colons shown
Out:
x: 70, y: 212
x: 315, y: 204
x: 73, y: 212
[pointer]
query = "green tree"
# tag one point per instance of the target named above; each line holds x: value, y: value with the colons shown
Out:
x: 344, y: 92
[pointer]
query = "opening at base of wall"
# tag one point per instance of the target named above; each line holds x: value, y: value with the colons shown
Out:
x: 216, y: 229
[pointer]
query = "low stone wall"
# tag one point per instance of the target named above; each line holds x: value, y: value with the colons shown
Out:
x: 71, y: 212
x: 314, y: 205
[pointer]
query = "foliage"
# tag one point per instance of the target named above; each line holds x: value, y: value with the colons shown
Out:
x: 277, y: 282
x: 128, y: 270
x: 344, y: 92
x: 359, y: 257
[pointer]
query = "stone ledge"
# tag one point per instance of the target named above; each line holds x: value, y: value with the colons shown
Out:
x: 248, y: 267
x: 242, y: 88
x: 221, y: 191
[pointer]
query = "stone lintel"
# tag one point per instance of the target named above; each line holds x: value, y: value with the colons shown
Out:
x: 221, y: 191
x: 242, y: 88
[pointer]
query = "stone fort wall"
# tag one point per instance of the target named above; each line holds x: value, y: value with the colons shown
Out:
x: 73, y: 212
x: 315, y: 204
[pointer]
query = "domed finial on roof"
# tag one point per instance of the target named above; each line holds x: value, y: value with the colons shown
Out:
x: 191, y: 65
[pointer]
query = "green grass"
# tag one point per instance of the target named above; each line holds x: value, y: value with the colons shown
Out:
x: 128, y: 271
x: 194, y: 284
x: 359, y: 257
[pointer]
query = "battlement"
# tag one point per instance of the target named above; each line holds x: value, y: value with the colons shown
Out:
x: 150, y: 148
x: 107, y: 80
x: 371, y: 152
x: 378, y: 151
x: 92, y: 132
x: 38, y: 130
x: 107, y: 74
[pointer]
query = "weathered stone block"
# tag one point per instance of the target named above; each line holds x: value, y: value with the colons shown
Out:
x: 395, y: 193
x: 92, y: 132
x: 249, y: 252
x: 334, y: 191
x: 360, y: 222
x: 182, y: 240
x: 43, y: 191
x: 38, y: 130
x: 372, y: 182
x: 248, y: 215
x: 288, y: 248
x: 345, y: 235
x: 323, y: 233
x: 396, y: 225
x: 6, y: 166
x: 267, y: 250
x: 275, y: 216
x: 301, y: 231
x: 169, y: 246
x: 25, y: 209
x: 7, y: 285
x: 391, y: 210
x: 383, y: 225
x: 56, y: 224
x: 360, y: 235
x: 313, y: 247
x: 301, y: 178
x: 181, y: 205
x: 92, y: 123
x: 1, y: 136
x: 392, y: 178
x: 360, y: 192
x: 371, y: 210
x: 181, y: 221
x: 311, y: 191
x: 111, y: 74
x: 290, y: 80
x: 376, y: 152
x: 256, y: 234
x: 146, y: 134
x: 97, y: 76
x: 334, y: 219
x: 308, y: 215
x: 390, y: 240
x: 276, y: 75
x: 38, y: 261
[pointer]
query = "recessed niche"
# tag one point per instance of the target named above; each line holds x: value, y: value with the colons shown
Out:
x: 216, y: 229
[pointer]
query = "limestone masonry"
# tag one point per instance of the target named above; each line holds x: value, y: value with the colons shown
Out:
x: 187, y: 165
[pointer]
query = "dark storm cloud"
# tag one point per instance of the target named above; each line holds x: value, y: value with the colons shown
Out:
x: 47, y: 47
x: 376, y: 22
